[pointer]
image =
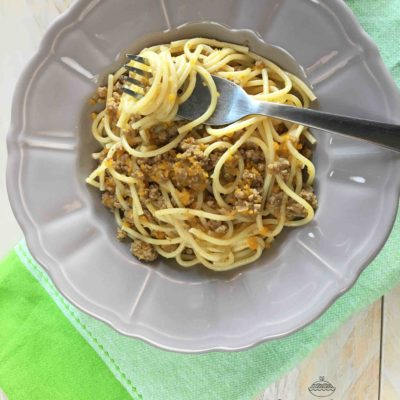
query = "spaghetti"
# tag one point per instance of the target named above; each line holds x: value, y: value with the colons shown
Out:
x: 216, y: 196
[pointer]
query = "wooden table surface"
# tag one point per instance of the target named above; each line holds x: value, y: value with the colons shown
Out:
x: 361, y: 360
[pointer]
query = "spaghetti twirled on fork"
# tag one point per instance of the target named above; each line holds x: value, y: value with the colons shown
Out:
x: 196, y: 193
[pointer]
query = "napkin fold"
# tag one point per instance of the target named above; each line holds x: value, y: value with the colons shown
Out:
x: 51, y: 350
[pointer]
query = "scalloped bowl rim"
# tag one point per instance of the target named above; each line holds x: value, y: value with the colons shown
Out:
x: 32, y: 232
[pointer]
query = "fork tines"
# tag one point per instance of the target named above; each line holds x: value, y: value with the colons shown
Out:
x: 135, y: 57
x: 137, y: 70
x: 132, y: 93
x: 133, y: 81
x: 140, y: 67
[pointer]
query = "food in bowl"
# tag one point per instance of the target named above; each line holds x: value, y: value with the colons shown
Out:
x: 216, y: 196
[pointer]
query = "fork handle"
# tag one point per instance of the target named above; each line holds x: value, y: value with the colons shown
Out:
x: 387, y: 135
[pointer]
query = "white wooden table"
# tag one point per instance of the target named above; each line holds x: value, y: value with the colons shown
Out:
x: 362, y: 359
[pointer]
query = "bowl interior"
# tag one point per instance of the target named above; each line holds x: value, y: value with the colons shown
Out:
x: 87, y: 144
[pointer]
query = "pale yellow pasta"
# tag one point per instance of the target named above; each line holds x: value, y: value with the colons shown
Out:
x: 261, y: 175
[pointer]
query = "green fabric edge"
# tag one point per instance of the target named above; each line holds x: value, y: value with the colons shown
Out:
x: 42, y: 355
x: 75, y: 317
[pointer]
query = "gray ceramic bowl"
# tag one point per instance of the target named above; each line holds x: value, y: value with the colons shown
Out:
x: 70, y: 233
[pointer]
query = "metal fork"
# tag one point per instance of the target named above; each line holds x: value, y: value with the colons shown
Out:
x: 136, y: 69
x: 234, y: 103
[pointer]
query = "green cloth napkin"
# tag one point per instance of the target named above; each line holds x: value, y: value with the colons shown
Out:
x: 50, y: 350
x: 42, y: 356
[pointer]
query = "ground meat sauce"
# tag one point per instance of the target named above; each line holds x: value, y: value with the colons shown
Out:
x: 143, y: 251
x: 190, y: 171
x: 280, y: 167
